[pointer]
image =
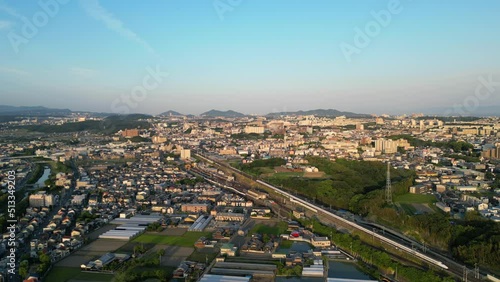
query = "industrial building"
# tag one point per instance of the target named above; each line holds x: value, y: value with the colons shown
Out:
x: 233, y: 268
x: 201, y: 223
x: 223, y: 278
x: 315, y: 270
x: 130, y: 227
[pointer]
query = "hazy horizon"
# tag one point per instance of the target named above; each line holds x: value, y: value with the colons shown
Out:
x: 254, y: 57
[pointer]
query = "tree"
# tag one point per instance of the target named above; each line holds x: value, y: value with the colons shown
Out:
x: 489, y: 175
x: 23, y: 269
x: 138, y: 249
x: 44, y: 259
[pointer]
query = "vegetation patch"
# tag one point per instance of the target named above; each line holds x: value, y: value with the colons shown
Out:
x: 286, y: 244
x: 415, y: 198
x: 276, y: 230
x: 62, y: 274
x: 259, y: 167
x: 108, y: 125
x: 201, y: 256
x: 408, y: 208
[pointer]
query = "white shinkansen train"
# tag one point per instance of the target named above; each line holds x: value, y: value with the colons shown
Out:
x: 319, y: 209
x: 314, y: 208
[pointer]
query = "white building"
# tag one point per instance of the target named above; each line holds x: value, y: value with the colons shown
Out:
x: 254, y: 129
x: 41, y: 199
x: 185, y: 154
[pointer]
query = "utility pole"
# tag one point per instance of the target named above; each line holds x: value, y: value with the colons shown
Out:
x: 465, y: 274
x: 476, y: 271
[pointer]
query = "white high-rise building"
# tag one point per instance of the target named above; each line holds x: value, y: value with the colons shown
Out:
x: 41, y: 199
x: 386, y: 146
x: 185, y: 154
x: 254, y: 129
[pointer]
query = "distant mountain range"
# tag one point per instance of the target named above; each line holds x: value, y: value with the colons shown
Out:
x: 31, y: 111
x: 217, y: 113
x: 17, y: 112
x: 320, y: 112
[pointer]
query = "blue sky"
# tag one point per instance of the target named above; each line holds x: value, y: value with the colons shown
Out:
x: 257, y: 56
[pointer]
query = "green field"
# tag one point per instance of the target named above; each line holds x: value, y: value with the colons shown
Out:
x: 186, y: 240
x: 416, y: 198
x: 408, y: 208
x: 278, y: 229
x: 286, y: 244
x: 198, y: 256
x: 263, y: 170
x: 283, y: 175
x: 62, y: 273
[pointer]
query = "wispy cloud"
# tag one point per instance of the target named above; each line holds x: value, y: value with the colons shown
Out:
x: 13, y: 71
x: 95, y: 10
x: 5, y: 24
x: 9, y: 10
x: 84, y: 72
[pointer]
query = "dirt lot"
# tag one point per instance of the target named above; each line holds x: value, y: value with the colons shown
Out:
x: 77, y: 259
x: 319, y: 174
x: 103, y: 245
x: 422, y: 208
x: 91, y: 251
x: 173, y: 231
x: 173, y: 255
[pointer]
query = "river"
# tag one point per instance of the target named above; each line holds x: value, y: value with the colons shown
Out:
x: 45, y: 176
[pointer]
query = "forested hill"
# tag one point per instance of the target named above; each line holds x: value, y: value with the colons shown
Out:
x: 108, y: 125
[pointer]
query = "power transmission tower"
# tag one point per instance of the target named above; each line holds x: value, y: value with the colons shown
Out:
x: 388, y: 188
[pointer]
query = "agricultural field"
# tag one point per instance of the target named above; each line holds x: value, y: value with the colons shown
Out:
x: 204, y: 255
x: 270, y: 228
x: 174, y: 255
x: 408, y: 208
x: 414, y: 204
x: 93, y: 250
x: 63, y: 274
x: 186, y: 240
